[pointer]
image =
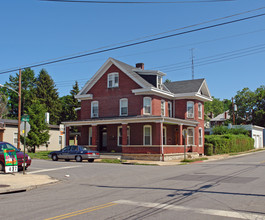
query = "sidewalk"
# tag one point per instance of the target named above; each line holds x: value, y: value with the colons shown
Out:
x: 17, y: 182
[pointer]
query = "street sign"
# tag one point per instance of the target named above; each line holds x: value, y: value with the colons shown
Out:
x: 25, y: 118
x: 22, y: 128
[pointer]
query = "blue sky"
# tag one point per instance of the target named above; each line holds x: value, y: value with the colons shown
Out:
x: 34, y: 31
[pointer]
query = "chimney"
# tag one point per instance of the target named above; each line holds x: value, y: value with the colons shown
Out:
x: 140, y: 65
x: 225, y: 115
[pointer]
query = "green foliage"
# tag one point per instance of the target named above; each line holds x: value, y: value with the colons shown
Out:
x: 229, y: 143
x: 194, y: 160
x: 47, y: 94
x: 39, y: 131
x: 221, y: 130
x: 27, y: 84
x: 208, y: 149
x: 3, y: 106
x: 69, y: 103
x: 216, y: 107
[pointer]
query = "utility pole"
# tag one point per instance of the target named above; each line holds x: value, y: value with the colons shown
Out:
x: 192, y: 63
x: 19, y: 109
x: 233, y: 111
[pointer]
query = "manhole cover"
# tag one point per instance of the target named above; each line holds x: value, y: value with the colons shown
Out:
x: 4, y: 186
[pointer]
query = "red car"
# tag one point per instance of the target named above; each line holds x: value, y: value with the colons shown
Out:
x: 20, y: 156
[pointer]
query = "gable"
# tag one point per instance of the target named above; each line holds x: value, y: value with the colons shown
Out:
x: 123, y: 67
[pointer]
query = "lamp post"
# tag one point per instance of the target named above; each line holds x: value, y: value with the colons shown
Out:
x: 19, y: 107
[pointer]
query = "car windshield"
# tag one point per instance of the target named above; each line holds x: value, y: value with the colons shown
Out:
x: 84, y: 148
x: 4, y: 146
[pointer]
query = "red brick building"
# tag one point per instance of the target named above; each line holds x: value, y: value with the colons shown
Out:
x: 129, y: 110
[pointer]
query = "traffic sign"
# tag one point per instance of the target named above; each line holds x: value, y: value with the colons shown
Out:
x: 25, y: 118
x: 24, y: 128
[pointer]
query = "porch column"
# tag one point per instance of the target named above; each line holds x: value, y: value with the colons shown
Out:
x: 67, y: 135
x: 124, y: 134
x: 158, y: 134
x: 196, y: 136
x: 180, y: 134
x: 94, y: 134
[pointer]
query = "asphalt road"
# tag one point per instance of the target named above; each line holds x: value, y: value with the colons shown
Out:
x: 226, y: 189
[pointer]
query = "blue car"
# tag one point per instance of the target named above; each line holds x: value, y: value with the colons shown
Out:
x: 75, y: 152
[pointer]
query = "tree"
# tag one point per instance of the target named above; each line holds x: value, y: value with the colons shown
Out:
x: 39, y: 131
x: 3, y: 106
x: 47, y: 94
x: 216, y: 107
x: 259, y: 109
x: 27, y: 84
x: 69, y: 104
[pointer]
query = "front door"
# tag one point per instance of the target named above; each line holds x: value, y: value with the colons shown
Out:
x: 103, y: 138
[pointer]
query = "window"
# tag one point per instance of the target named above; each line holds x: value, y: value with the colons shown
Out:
x: 147, y: 105
x: 200, y: 137
x: 163, y: 107
x: 123, y: 107
x: 15, y: 138
x: 169, y: 109
x: 190, y: 136
x: 147, y: 135
x: 113, y: 80
x: 94, y: 109
x: 164, y: 135
x: 90, y: 136
x: 159, y: 82
x: 190, y: 109
x: 60, y: 140
x: 120, y: 135
x: 200, y: 110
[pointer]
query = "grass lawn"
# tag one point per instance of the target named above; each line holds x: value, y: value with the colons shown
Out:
x: 40, y: 155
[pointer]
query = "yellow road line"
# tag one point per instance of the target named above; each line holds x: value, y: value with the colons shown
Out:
x: 83, y: 211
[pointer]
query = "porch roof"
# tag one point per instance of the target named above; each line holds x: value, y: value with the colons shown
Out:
x: 132, y: 120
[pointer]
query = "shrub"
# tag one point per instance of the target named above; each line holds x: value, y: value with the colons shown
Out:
x: 229, y: 143
x: 208, y: 149
x: 221, y: 130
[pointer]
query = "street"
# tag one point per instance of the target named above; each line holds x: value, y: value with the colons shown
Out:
x: 223, y: 189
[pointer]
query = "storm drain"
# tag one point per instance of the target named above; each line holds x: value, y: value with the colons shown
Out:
x: 4, y: 186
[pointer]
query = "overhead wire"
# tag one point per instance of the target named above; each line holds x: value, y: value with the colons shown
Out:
x: 136, y: 43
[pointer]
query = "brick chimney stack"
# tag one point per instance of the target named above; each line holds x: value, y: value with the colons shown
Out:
x: 140, y: 65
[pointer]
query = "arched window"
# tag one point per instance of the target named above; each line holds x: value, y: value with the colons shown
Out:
x: 200, y: 110
x: 200, y: 137
x: 163, y: 111
x: 190, y: 136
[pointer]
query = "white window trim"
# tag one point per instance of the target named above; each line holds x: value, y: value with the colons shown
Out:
x: 145, y: 126
x: 92, y: 103
x: 124, y: 99
x: 163, y: 106
x: 169, y: 110
x: 118, y: 135
x: 188, y: 116
x: 200, y: 129
x: 199, y: 106
x: 90, y: 136
x: 113, y: 80
x: 145, y: 98
x: 159, y: 84
x: 192, y: 136
x: 15, y: 134
x: 165, y: 136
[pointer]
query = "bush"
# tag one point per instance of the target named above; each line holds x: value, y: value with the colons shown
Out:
x: 208, y: 149
x: 221, y: 130
x: 229, y: 143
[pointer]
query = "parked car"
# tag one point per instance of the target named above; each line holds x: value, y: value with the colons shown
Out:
x: 20, y: 156
x: 74, y: 152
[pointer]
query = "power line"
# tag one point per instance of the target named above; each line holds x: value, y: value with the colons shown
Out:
x: 140, y: 38
x: 137, y: 2
x: 136, y: 43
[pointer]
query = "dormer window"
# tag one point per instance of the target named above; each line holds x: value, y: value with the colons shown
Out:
x: 113, y: 80
x: 159, y: 82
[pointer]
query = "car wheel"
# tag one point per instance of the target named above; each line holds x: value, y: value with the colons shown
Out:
x: 67, y: 159
x: 90, y: 160
x: 1, y: 166
x: 78, y: 158
x: 54, y: 157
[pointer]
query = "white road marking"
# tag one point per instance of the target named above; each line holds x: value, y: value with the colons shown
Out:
x: 223, y: 213
x: 52, y: 169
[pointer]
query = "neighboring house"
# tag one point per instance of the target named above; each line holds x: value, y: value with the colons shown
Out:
x: 256, y: 132
x: 9, y: 131
x: 129, y: 110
